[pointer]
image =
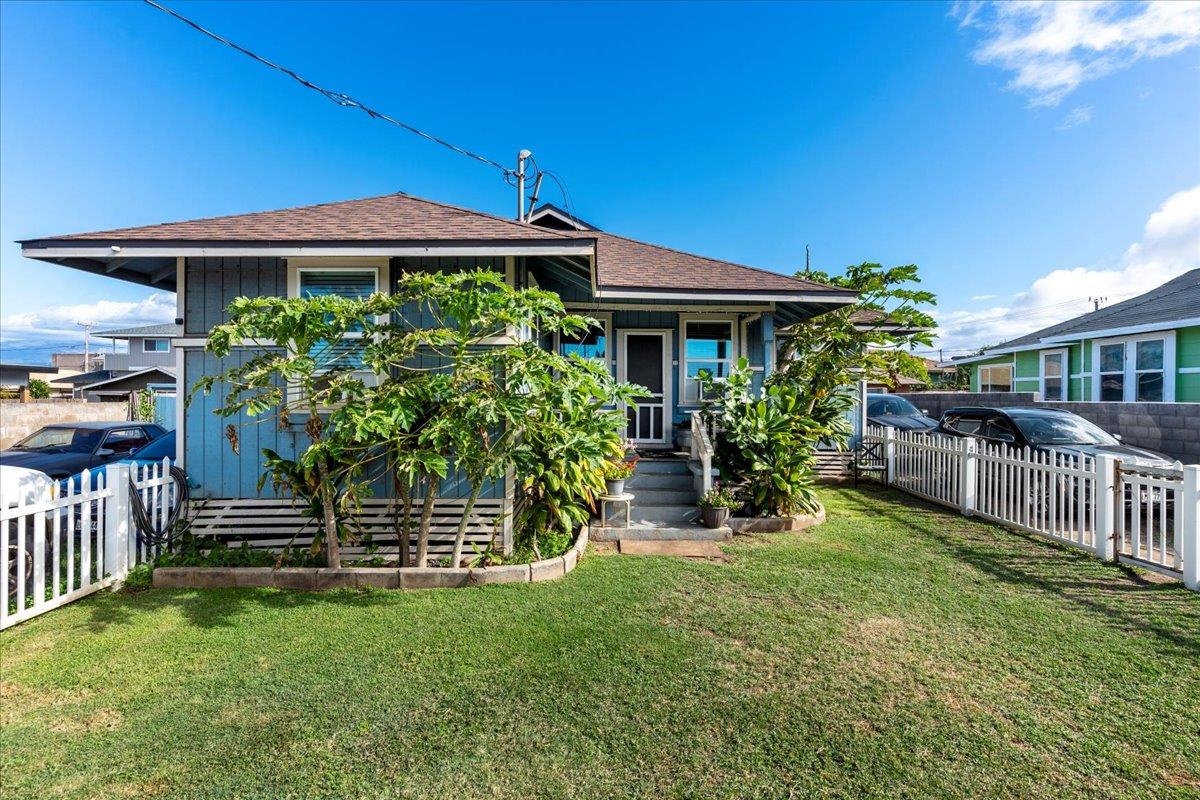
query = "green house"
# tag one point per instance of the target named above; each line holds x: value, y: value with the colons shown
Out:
x: 1145, y: 349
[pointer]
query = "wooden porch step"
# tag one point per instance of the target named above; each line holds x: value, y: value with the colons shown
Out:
x: 669, y: 547
x: 651, y: 534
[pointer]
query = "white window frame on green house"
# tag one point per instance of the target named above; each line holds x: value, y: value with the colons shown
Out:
x: 1063, y: 375
x: 1012, y: 371
x: 297, y: 267
x: 688, y: 397
x: 1132, y: 370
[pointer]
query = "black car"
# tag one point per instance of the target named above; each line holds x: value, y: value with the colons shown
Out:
x: 63, y: 450
x: 893, y: 411
x: 1044, y: 430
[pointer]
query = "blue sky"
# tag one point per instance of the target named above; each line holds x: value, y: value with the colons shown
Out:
x: 1021, y: 176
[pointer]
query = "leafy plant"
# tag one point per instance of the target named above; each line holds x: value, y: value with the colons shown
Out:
x: 144, y: 407
x: 719, y: 497
x: 139, y: 578
x: 39, y: 389
x: 619, y: 469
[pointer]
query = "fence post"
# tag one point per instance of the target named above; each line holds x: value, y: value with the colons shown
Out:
x: 1188, y: 506
x: 967, y: 481
x: 889, y: 455
x: 117, y: 518
x: 1106, y: 510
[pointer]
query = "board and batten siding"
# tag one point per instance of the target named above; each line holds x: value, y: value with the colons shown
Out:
x: 211, y: 284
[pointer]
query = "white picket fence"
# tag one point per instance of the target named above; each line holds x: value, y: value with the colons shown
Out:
x: 1144, y: 516
x: 72, y: 539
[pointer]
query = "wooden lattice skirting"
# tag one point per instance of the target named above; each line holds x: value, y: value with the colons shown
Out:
x: 276, y: 523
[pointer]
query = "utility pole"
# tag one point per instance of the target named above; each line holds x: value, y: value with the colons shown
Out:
x: 87, y: 340
x: 807, y: 259
x: 521, y: 157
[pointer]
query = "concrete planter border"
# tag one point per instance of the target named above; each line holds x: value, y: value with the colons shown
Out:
x: 309, y: 579
x: 799, y: 522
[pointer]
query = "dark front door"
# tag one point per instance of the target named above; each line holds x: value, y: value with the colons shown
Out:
x: 645, y: 361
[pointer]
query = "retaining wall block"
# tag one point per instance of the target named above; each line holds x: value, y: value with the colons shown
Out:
x: 570, y: 559
x: 549, y: 570
x: 377, y: 578
x: 214, y: 577
x: 433, y: 578
x: 299, y: 578
x: 328, y: 578
x: 509, y: 573
x: 173, y: 578
x: 254, y: 577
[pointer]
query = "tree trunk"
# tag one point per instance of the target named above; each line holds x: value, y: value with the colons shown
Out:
x: 404, y: 529
x: 333, y: 550
x: 431, y: 491
x: 461, y: 535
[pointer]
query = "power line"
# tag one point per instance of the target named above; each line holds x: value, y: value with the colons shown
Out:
x: 340, y: 98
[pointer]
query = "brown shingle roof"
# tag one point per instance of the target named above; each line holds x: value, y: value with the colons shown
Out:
x: 390, y: 218
x: 629, y: 264
x: 620, y: 263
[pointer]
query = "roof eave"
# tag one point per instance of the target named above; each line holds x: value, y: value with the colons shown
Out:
x: 49, y: 249
x: 800, y: 295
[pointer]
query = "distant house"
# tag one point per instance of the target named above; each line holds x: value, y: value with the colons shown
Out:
x: 149, y: 346
x: 1145, y: 349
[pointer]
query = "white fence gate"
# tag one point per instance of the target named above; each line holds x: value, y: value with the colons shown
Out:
x: 1144, y: 516
x: 68, y: 540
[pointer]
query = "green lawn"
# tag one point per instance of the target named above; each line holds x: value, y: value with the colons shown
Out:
x: 896, y: 651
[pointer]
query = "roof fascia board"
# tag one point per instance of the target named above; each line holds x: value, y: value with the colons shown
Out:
x: 126, y: 376
x: 167, y: 250
x: 666, y: 294
x: 1100, y: 333
x: 990, y: 354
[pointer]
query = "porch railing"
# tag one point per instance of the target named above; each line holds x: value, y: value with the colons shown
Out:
x: 702, y: 451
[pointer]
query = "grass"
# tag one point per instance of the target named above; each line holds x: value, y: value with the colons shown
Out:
x: 896, y: 651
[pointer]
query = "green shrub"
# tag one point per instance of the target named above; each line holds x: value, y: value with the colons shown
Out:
x: 139, y: 579
x: 39, y: 389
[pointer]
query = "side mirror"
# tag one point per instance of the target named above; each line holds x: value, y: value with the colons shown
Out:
x: 925, y: 411
x: 1117, y: 436
x: 1007, y: 438
x: 105, y: 452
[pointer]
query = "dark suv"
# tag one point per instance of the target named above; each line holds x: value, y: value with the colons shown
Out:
x: 1044, y: 430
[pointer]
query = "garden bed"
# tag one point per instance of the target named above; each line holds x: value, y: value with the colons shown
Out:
x: 316, y: 579
x: 776, y: 524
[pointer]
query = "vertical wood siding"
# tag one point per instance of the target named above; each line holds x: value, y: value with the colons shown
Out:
x: 213, y: 283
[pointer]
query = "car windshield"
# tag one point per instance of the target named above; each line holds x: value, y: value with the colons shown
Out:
x: 160, y: 448
x: 62, y: 440
x: 892, y: 407
x: 1062, y: 430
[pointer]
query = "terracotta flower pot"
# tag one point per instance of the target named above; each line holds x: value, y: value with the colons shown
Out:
x: 714, y: 517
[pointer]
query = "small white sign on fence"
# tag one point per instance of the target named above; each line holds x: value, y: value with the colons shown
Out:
x: 1145, y: 516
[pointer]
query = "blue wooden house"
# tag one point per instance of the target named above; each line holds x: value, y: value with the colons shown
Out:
x: 664, y: 314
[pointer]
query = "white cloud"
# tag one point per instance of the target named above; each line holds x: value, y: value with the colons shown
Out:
x: 1078, y: 116
x: 1053, y: 47
x: 1170, y: 246
x: 54, y: 326
x: 977, y: 298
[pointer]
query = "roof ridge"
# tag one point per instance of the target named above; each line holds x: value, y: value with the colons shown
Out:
x: 476, y: 212
x: 723, y: 261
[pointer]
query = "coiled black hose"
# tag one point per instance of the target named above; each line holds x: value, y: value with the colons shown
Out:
x: 148, y: 533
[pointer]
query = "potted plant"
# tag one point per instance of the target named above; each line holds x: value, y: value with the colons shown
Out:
x: 716, y: 506
x: 616, y: 471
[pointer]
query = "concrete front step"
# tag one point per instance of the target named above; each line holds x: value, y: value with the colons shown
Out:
x: 664, y: 534
x: 659, y: 481
x: 669, y: 547
x: 674, y: 496
x: 662, y: 466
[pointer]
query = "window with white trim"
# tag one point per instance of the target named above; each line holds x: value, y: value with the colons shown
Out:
x: 156, y: 345
x: 351, y: 283
x: 1135, y: 369
x: 708, y: 346
x: 996, y: 378
x: 1054, y: 375
x: 1149, y: 377
x: 592, y: 344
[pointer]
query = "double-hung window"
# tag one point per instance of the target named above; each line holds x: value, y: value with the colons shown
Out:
x: 351, y: 283
x: 1137, y: 369
x: 996, y: 378
x: 1054, y: 375
x: 708, y: 347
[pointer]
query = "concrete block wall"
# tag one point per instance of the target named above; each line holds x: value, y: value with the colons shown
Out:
x: 18, y: 420
x: 1169, y: 428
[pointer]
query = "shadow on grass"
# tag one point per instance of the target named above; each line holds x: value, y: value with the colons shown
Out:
x: 1119, y: 595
